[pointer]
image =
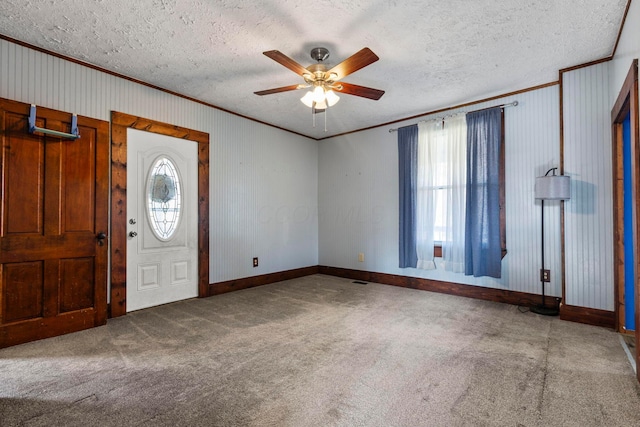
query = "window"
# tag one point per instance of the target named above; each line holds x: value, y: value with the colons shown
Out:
x: 458, y: 201
x: 164, y: 199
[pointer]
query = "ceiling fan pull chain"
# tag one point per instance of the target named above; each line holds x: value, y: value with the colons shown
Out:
x: 313, y: 114
x: 325, y: 119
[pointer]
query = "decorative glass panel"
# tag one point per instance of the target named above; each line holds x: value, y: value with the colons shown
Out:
x: 164, y: 198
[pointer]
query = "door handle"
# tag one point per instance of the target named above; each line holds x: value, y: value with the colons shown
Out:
x: 132, y: 234
x: 101, y: 236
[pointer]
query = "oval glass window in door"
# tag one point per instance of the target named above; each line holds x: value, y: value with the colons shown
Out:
x: 164, y: 198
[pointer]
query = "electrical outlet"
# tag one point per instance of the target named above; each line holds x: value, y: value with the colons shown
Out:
x: 545, y: 275
x: 361, y: 257
x: 255, y: 261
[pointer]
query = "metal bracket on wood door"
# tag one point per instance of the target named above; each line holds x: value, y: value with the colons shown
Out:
x: 75, y: 134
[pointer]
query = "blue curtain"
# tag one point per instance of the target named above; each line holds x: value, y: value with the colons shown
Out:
x: 407, y: 166
x: 483, y: 254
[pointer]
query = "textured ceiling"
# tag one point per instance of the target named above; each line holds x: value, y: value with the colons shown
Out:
x: 433, y: 54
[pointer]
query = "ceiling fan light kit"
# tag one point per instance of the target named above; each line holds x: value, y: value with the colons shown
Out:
x: 320, y: 98
x: 323, y: 81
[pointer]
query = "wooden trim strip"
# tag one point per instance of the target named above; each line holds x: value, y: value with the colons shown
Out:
x: 623, y: 105
x: 265, y: 279
x: 469, y: 291
x: 589, y: 316
x: 468, y: 104
x: 626, y: 103
x: 140, y: 82
x: 563, y: 265
x: 586, y: 64
x: 134, y: 122
x: 624, y: 20
x: 133, y: 80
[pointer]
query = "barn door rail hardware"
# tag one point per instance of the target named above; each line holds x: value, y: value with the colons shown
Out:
x: 33, y: 128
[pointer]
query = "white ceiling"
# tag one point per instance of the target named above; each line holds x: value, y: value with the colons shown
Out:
x: 433, y: 54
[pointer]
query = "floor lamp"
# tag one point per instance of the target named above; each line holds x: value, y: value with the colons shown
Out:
x: 549, y: 187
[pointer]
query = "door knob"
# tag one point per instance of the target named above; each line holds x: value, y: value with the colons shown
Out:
x: 101, y: 236
x: 132, y: 234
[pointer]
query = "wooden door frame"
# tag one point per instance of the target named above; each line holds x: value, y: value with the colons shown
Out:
x: 626, y: 103
x: 120, y: 122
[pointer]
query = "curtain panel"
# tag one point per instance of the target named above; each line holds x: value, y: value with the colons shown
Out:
x: 407, y: 166
x: 430, y: 138
x: 442, y: 146
x: 453, y: 245
x: 483, y: 253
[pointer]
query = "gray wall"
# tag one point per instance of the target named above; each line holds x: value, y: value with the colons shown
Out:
x: 358, y: 198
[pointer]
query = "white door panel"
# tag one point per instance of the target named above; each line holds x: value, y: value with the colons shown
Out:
x: 162, y: 266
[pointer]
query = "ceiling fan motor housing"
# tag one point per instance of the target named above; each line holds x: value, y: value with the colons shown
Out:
x: 319, y: 53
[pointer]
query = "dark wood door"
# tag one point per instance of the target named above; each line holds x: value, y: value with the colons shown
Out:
x: 53, y: 261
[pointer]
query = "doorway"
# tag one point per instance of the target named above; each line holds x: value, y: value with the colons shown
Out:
x: 628, y: 295
x: 626, y: 148
x: 121, y: 124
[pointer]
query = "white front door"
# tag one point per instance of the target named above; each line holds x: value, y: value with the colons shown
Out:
x: 162, y: 241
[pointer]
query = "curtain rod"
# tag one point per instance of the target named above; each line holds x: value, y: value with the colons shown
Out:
x: 511, y: 104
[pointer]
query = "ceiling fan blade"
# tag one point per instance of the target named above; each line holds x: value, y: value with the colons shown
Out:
x: 283, y: 59
x: 363, y: 91
x: 358, y: 60
x: 279, y: 89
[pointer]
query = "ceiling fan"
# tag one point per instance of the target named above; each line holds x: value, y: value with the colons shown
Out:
x: 325, y: 82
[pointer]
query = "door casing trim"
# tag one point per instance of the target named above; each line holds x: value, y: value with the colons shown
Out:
x: 120, y: 122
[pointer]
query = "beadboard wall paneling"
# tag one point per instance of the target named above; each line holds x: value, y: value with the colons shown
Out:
x: 588, y: 215
x: 263, y: 180
x: 532, y: 148
x: 266, y: 200
x: 358, y: 198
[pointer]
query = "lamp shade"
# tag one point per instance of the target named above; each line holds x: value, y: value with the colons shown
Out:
x: 554, y: 187
x: 307, y: 99
x: 332, y: 98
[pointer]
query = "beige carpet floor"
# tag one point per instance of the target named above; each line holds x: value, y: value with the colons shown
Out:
x: 323, y: 351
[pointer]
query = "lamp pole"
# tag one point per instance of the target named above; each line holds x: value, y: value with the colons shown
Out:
x: 543, y: 309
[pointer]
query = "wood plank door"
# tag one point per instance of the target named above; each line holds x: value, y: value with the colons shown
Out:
x: 53, y: 225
